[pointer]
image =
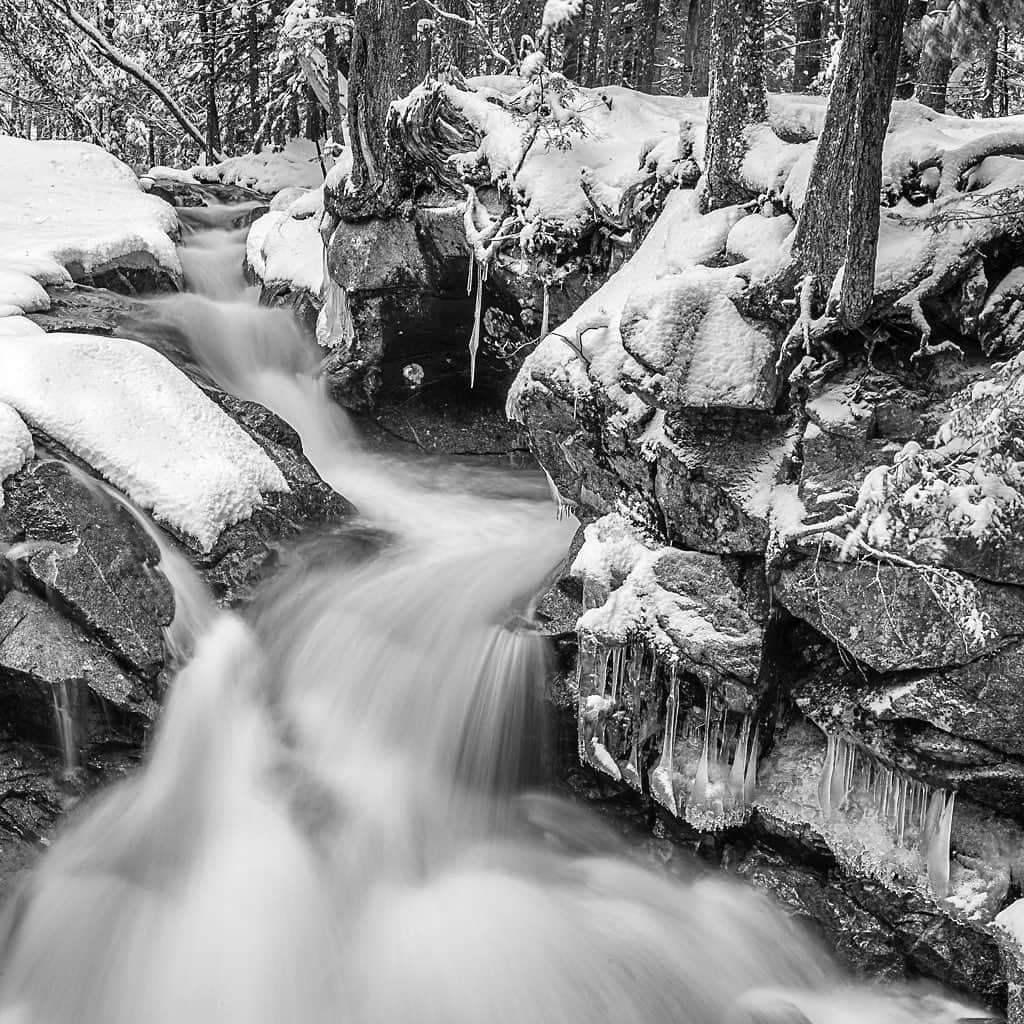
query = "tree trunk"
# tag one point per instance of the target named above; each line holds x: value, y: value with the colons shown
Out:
x: 988, y: 96
x: 253, y: 44
x: 934, y: 68
x: 737, y: 96
x: 208, y: 46
x: 1004, y: 85
x: 646, y: 39
x: 910, y: 50
x: 382, y: 68
x: 702, y: 51
x: 808, y: 24
x: 572, y: 53
x: 838, y: 224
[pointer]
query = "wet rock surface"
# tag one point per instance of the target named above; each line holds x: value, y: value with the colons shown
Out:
x: 84, y: 602
x: 913, y: 659
x: 90, y: 558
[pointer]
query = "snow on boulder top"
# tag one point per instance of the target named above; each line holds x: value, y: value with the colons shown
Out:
x: 284, y: 245
x: 139, y: 421
x: 269, y: 171
x: 69, y: 209
x: 16, y: 446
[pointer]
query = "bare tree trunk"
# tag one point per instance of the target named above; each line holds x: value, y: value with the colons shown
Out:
x: 382, y: 68
x: 906, y: 74
x: 934, y: 68
x: 808, y: 19
x: 702, y: 53
x: 208, y: 45
x: 1004, y: 85
x: 737, y: 96
x: 594, y: 41
x: 988, y: 96
x: 253, y: 44
x: 646, y: 38
x: 838, y: 224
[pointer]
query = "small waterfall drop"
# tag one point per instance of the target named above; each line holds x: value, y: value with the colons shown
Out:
x: 328, y: 827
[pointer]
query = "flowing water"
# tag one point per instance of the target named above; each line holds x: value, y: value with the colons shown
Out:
x: 331, y: 823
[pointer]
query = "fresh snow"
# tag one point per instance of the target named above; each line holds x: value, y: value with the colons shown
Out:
x: 139, y: 421
x: 284, y: 245
x: 16, y: 446
x: 69, y: 209
x: 270, y: 170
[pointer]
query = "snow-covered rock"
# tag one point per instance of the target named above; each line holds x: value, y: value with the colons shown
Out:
x: 268, y: 171
x: 284, y: 246
x: 16, y: 446
x: 70, y: 210
x: 139, y: 421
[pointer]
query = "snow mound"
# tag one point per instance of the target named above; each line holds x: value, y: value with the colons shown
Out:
x: 284, y: 245
x: 606, y: 132
x: 140, y: 422
x: 664, y: 324
x: 16, y: 446
x: 269, y: 171
x: 70, y: 209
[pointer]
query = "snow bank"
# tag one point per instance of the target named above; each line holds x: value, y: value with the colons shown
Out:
x: 284, y: 245
x: 70, y: 209
x: 661, y: 299
x: 269, y: 171
x: 16, y: 446
x: 140, y: 422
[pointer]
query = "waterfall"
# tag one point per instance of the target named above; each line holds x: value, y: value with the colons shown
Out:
x: 327, y: 827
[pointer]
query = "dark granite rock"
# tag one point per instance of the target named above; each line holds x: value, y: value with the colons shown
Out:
x: 90, y: 557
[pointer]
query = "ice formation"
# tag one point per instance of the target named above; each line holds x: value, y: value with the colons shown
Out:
x: 706, y: 770
x: 854, y: 785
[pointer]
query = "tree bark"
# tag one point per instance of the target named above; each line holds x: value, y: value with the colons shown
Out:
x: 646, y: 39
x: 382, y: 68
x: 737, y: 96
x: 933, y: 69
x: 988, y: 96
x: 253, y: 44
x: 838, y: 224
x: 808, y: 19
x: 699, y: 84
x: 594, y: 42
x: 208, y: 45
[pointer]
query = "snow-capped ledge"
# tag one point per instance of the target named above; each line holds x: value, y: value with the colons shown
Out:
x: 141, y: 423
x: 71, y: 210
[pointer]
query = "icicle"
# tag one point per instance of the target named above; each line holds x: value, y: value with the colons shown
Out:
x: 825, y: 779
x: 739, y: 763
x: 631, y: 773
x: 586, y: 675
x: 544, y: 323
x: 662, y: 788
x: 937, y: 851
x: 699, y: 791
x: 603, y: 760
x: 617, y: 662
x: 844, y: 753
x: 474, y: 340
x: 750, y: 778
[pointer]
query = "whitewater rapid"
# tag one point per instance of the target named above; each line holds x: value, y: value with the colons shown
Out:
x: 330, y: 825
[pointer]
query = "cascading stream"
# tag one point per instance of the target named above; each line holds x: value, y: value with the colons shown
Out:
x: 329, y: 827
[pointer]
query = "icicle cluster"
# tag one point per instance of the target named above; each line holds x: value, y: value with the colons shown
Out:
x: 854, y: 784
x: 707, y: 768
x: 614, y: 706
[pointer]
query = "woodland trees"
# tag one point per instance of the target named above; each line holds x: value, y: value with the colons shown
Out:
x: 251, y: 72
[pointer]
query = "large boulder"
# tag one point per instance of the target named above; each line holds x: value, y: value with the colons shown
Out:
x: 89, y: 556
